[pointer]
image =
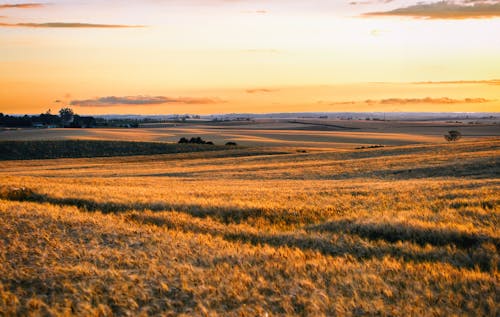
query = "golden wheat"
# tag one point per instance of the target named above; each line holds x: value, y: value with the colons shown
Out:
x: 394, y: 231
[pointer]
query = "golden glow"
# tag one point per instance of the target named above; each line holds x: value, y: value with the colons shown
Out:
x: 310, y: 57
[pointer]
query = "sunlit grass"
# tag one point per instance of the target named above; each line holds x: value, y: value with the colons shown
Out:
x: 392, y: 231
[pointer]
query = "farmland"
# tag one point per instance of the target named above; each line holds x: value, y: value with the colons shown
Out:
x: 309, y: 133
x: 405, y: 229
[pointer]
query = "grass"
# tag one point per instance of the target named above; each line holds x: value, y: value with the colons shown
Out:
x: 22, y: 150
x: 240, y: 232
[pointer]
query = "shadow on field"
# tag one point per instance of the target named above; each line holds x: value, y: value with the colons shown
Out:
x: 394, y: 232
x: 483, y: 256
x: 333, y: 238
x: 479, y: 169
x: 482, y: 168
x: 223, y: 214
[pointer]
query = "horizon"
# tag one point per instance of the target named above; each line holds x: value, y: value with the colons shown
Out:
x: 205, y: 57
x: 267, y: 113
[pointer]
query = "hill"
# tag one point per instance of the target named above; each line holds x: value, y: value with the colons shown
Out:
x: 403, y: 230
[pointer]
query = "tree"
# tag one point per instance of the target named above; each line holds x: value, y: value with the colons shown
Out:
x: 194, y: 140
x: 453, y: 136
x: 66, y: 114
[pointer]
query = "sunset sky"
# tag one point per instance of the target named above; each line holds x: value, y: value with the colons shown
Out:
x: 241, y: 56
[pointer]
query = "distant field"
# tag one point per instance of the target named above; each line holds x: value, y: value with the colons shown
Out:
x: 22, y: 150
x: 273, y: 133
x: 401, y: 230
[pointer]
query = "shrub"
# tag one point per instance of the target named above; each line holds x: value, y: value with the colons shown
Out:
x: 231, y: 144
x: 453, y: 136
x: 194, y: 140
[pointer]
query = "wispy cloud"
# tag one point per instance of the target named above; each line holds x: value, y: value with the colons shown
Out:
x: 255, y: 11
x: 260, y: 90
x: 67, y: 25
x: 465, y: 82
x: 22, y: 6
x: 111, y: 101
x: 429, y: 100
x: 55, y: 24
x: 464, y: 9
x: 369, y: 2
x: 415, y: 101
x: 262, y: 51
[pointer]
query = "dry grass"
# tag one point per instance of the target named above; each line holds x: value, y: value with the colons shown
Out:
x: 271, y: 133
x: 392, y: 231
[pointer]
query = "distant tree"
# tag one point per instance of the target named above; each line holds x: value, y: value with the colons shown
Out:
x: 194, y: 140
x: 453, y: 136
x: 48, y: 119
x: 231, y: 144
x: 83, y: 122
x: 66, y: 114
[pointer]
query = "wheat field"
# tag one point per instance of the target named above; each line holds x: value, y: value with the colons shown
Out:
x: 395, y: 231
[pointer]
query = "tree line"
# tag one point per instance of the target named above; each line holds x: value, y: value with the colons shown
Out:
x: 65, y: 119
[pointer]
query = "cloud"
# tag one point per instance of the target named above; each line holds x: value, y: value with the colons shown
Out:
x: 414, y: 101
x: 111, y: 101
x: 376, y: 32
x: 256, y: 11
x: 67, y: 25
x: 54, y: 24
x: 428, y: 100
x: 21, y: 6
x: 465, y: 82
x: 455, y: 10
x: 262, y: 51
x: 354, y: 3
x: 260, y: 90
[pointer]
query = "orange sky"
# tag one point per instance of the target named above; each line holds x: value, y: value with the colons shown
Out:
x: 219, y: 56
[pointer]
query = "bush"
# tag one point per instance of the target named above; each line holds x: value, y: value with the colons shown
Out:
x: 193, y: 140
x: 231, y: 144
x: 453, y: 136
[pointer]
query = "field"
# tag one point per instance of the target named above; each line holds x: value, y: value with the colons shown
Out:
x: 301, y: 228
x: 308, y: 133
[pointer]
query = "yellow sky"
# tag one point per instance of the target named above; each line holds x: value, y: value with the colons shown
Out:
x: 217, y: 56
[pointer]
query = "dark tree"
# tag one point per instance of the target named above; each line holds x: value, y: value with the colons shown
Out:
x: 66, y: 114
x: 231, y: 144
x: 83, y: 122
x: 48, y: 119
x: 453, y: 136
x: 195, y: 140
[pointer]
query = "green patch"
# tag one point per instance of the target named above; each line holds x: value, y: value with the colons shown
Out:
x: 32, y: 150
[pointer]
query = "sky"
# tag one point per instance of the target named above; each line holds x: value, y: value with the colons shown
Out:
x: 249, y: 56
